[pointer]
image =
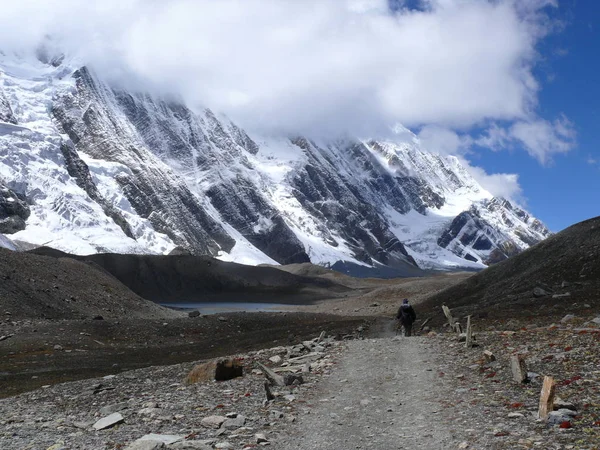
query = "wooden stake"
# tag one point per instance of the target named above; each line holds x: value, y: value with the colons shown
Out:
x: 546, y: 398
x: 469, y: 340
x: 448, y: 315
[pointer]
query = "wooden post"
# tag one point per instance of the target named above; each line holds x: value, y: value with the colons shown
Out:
x: 469, y: 339
x: 546, y: 398
x: 448, y: 315
x: 519, y: 368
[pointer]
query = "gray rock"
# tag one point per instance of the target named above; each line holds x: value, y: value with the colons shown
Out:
x: 225, y: 445
x: 567, y: 318
x: 276, y: 359
x: 149, y: 411
x: 566, y: 412
x: 562, y: 404
x: 213, y: 421
x: 164, y: 438
x: 260, y: 438
x: 194, y: 314
x: 109, y: 409
x: 145, y: 445
x: 191, y: 445
x: 234, y: 423
x: 539, y: 292
x: 565, y: 295
x: 556, y: 418
x: 292, y: 379
x: 14, y: 211
x: 108, y: 421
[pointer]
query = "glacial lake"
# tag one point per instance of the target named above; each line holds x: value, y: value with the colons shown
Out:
x: 224, y: 307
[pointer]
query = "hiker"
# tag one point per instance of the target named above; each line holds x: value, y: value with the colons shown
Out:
x: 406, y: 315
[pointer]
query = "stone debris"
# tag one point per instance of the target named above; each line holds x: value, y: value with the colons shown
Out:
x: 539, y: 292
x: 164, y: 438
x: 489, y: 356
x: 108, y: 421
x: 276, y: 359
x: 567, y: 318
x: 109, y: 409
x: 260, y: 438
x: 234, y: 423
x: 146, y: 445
x: 213, y: 421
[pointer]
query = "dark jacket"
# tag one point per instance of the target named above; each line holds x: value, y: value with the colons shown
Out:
x: 406, y: 314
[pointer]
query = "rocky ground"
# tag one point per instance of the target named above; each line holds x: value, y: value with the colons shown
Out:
x: 34, y: 353
x: 389, y: 392
x: 496, y: 412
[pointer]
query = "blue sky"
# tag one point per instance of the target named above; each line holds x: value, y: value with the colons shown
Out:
x: 567, y: 189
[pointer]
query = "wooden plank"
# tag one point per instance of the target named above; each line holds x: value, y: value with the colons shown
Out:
x: 519, y: 368
x: 274, y: 378
x: 469, y: 340
x: 546, y: 398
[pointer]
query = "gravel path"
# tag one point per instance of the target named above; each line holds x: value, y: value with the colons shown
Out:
x: 384, y: 393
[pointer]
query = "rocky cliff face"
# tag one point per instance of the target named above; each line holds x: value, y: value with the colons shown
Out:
x: 130, y: 172
x: 14, y: 211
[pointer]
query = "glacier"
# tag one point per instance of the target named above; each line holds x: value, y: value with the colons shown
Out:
x: 106, y: 169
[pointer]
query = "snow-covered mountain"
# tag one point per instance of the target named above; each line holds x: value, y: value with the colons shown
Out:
x: 101, y: 169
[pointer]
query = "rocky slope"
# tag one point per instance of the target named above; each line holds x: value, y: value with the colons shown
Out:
x: 556, y: 276
x: 106, y: 169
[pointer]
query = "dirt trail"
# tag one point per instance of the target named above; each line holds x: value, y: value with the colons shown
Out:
x: 385, y: 393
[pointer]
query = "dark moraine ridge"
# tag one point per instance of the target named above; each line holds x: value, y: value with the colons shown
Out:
x: 187, y: 278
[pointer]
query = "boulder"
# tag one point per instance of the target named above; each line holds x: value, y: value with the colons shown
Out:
x: 193, y: 314
x: 539, y: 292
x: 215, y: 370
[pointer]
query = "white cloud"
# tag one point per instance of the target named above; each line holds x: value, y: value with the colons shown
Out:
x: 320, y: 66
x: 541, y: 138
x: 504, y: 185
x: 443, y: 140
